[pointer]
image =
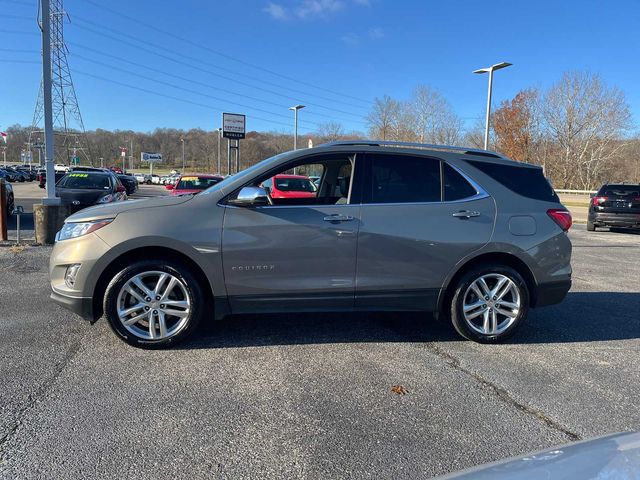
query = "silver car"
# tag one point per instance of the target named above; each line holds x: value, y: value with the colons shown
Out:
x: 467, y: 234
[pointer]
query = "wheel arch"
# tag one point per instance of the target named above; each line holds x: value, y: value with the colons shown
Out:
x: 508, y: 259
x: 155, y: 252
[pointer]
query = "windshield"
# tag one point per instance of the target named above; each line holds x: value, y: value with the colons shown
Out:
x: 244, y: 174
x: 84, y: 181
x: 196, y: 183
x: 295, y: 185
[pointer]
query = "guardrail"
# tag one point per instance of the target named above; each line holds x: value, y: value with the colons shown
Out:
x: 576, y: 192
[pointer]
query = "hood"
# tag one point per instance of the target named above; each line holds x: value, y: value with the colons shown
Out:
x: 110, y: 210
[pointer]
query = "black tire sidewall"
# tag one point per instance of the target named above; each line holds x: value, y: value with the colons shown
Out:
x: 457, y: 316
x: 194, y: 291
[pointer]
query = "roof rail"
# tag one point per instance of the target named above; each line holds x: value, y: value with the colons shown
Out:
x: 429, y: 146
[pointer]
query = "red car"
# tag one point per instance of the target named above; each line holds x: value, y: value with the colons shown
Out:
x: 193, y: 183
x: 290, y: 186
x: 115, y: 169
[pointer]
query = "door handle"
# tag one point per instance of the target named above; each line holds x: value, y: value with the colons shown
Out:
x: 465, y: 214
x: 338, y: 218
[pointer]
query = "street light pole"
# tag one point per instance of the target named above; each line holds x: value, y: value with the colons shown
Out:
x: 490, y: 71
x: 295, y: 109
x: 182, y: 140
x: 219, y: 142
x: 51, y: 198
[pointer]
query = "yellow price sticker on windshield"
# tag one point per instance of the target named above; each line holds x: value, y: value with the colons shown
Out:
x: 81, y: 175
x: 189, y: 179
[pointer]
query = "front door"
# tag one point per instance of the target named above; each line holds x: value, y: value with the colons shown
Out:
x: 299, y: 253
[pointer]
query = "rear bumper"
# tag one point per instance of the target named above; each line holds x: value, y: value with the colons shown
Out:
x: 629, y: 220
x: 82, y: 306
x: 551, y: 293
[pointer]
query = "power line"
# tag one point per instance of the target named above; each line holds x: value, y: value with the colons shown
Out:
x: 178, y: 87
x: 171, y: 97
x: 190, y: 42
x: 177, y: 54
x: 189, y: 80
x: 11, y: 60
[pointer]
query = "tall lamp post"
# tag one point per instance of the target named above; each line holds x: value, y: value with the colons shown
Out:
x: 182, y: 141
x: 295, y: 109
x: 219, y: 142
x: 490, y: 71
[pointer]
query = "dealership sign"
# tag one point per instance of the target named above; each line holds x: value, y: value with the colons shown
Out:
x: 151, y: 157
x: 233, y: 125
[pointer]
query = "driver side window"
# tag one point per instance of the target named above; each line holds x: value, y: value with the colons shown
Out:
x: 318, y: 181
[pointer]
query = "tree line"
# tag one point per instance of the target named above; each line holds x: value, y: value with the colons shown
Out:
x: 579, y: 130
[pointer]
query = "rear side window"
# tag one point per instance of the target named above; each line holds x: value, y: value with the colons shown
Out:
x: 403, y: 179
x: 526, y: 181
x: 455, y: 185
x: 620, y: 191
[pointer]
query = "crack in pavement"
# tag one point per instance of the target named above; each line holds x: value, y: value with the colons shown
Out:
x: 33, y: 398
x: 502, y: 393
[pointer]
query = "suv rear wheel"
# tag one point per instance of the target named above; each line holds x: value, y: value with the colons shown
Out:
x: 489, y: 303
x: 153, y: 303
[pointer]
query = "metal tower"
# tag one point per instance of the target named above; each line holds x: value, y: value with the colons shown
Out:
x: 69, y: 132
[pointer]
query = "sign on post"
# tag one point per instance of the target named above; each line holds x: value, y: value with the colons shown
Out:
x: 233, y: 125
x: 150, y: 157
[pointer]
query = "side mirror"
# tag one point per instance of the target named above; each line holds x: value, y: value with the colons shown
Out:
x: 169, y: 186
x: 250, y: 197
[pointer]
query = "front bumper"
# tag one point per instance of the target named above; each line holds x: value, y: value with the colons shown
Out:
x: 550, y: 293
x: 605, y: 219
x: 82, y: 306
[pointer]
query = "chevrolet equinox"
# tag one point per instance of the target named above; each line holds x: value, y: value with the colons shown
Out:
x: 467, y: 234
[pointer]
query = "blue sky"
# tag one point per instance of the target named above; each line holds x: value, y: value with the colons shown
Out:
x: 245, y: 56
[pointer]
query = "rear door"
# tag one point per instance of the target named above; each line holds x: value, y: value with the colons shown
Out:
x: 419, y: 217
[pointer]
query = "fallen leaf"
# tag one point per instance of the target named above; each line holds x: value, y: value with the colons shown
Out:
x: 399, y: 389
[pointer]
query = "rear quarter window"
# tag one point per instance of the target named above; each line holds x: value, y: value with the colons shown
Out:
x: 526, y: 181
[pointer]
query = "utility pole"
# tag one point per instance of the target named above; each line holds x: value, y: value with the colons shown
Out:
x: 51, y: 198
x: 131, y: 154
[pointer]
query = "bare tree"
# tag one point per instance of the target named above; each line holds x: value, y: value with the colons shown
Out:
x: 433, y: 120
x: 383, y: 120
x: 330, y: 131
x: 586, y: 121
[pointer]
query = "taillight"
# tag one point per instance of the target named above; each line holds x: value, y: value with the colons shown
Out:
x: 599, y: 200
x: 561, y: 217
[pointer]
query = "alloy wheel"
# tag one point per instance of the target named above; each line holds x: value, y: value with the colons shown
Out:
x: 491, y: 304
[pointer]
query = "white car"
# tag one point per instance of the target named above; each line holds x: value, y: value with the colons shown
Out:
x: 61, y: 167
x: 141, y: 177
x: 155, y: 179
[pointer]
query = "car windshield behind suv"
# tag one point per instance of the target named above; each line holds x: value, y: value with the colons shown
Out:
x: 84, y: 181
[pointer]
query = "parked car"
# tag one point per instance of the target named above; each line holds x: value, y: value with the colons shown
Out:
x: 61, y: 167
x: 83, y: 189
x: 192, y: 184
x: 141, y: 177
x: 30, y: 172
x: 155, y: 179
x: 116, y: 169
x: 290, y: 186
x: 17, y: 175
x: 9, y: 175
x: 615, y: 205
x: 42, y: 178
x: 8, y: 194
x: 129, y: 182
x: 469, y: 234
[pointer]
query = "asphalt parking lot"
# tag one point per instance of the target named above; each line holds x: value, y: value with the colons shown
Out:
x: 309, y: 396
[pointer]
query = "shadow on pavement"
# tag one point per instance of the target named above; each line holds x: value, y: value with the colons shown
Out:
x: 582, y: 317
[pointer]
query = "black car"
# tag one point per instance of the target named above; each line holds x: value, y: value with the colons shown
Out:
x: 83, y: 189
x: 16, y: 175
x: 129, y: 182
x: 42, y: 178
x: 615, y: 205
x: 30, y: 172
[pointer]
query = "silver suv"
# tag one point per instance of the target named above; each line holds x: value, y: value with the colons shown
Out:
x: 467, y: 234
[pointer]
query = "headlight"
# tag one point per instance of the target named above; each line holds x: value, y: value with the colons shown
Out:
x: 77, y: 229
x: 106, y: 199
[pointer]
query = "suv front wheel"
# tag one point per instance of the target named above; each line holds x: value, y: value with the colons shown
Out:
x: 489, y: 303
x: 153, y: 303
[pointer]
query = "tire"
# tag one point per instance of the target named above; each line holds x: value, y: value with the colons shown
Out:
x: 177, y: 328
x: 590, y: 226
x: 475, y: 329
